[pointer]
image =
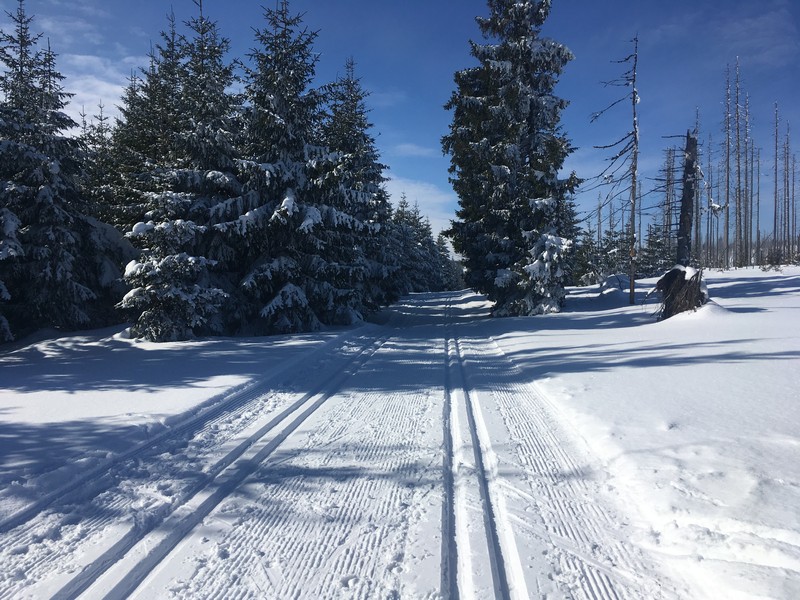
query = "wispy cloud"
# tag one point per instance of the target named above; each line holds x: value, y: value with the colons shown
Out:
x: 768, y: 39
x: 96, y: 80
x: 90, y: 8
x: 69, y: 32
x: 413, y: 150
x: 437, y: 204
x: 387, y: 99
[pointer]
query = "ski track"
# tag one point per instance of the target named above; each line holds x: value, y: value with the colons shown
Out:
x: 65, y: 535
x: 585, y: 534
x: 358, y: 482
x: 328, y: 515
x: 475, y: 536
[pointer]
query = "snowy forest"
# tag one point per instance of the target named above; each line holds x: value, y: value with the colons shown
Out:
x: 485, y: 412
x: 230, y: 197
x: 240, y: 196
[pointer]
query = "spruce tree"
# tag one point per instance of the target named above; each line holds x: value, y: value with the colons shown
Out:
x: 506, y: 149
x: 355, y: 176
x: 144, y: 140
x: 175, y: 294
x: 281, y: 268
x: 55, y: 265
x: 452, y: 278
x: 420, y: 265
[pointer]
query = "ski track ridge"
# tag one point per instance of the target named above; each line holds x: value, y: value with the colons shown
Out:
x: 360, y: 531
x: 502, y: 551
x: 449, y: 579
x: 211, y: 411
x: 492, y: 520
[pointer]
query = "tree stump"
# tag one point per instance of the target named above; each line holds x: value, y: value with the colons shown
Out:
x: 679, y: 294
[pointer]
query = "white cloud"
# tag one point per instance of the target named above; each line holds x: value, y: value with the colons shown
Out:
x: 413, y: 150
x: 90, y: 8
x: 435, y: 203
x: 95, y: 80
x: 91, y: 92
x: 69, y: 32
x: 387, y: 99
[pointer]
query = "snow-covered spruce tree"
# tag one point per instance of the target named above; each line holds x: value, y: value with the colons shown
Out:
x: 145, y: 137
x: 283, y: 285
x: 55, y: 268
x: 587, y: 268
x: 506, y: 149
x: 420, y: 265
x: 98, y: 164
x: 656, y: 259
x: 452, y: 276
x: 188, y: 183
x: 354, y: 182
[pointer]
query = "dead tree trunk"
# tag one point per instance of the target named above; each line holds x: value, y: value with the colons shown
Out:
x: 684, y: 253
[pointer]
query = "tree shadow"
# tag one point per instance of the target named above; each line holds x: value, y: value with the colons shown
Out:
x: 407, y: 363
x: 729, y: 288
x: 80, y: 363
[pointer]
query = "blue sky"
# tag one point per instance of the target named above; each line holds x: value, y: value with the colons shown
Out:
x: 406, y: 53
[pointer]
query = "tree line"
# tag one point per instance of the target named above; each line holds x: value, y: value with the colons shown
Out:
x: 229, y: 196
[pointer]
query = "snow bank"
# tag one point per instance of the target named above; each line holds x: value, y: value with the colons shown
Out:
x: 694, y: 423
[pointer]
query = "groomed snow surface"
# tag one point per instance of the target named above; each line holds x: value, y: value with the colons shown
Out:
x: 592, y: 454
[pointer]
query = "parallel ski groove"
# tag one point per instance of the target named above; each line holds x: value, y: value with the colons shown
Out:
x: 237, y: 471
x: 346, y: 539
x: 491, y: 519
x: 242, y: 406
x: 449, y: 579
x: 499, y: 555
x: 206, y: 416
x: 565, y: 502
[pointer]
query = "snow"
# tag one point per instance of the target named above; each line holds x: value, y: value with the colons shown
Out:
x: 593, y: 453
x: 142, y: 228
x: 289, y: 204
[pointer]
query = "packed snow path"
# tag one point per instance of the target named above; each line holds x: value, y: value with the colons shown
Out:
x: 410, y: 460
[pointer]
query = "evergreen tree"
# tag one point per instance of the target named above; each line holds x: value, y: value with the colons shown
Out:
x: 357, y: 174
x: 99, y: 165
x: 420, y: 264
x: 175, y: 294
x: 145, y: 138
x: 589, y: 267
x: 506, y: 150
x: 289, y: 284
x: 55, y: 265
x: 452, y: 277
x: 656, y: 258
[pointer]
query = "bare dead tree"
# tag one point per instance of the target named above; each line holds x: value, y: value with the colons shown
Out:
x: 775, y: 232
x: 627, y: 153
x: 785, y: 230
x: 738, y: 235
x: 690, y: 179
x: 758, y: 257
x: 727, y: 164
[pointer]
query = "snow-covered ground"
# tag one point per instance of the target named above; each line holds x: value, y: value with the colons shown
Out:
x: 592, y: 454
